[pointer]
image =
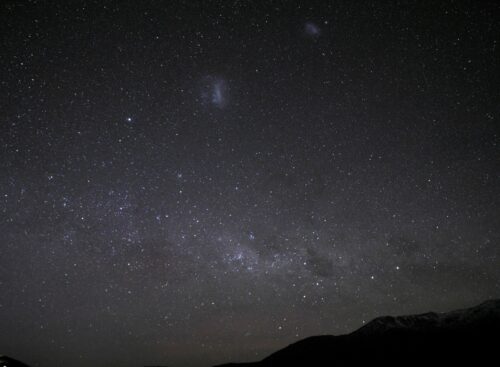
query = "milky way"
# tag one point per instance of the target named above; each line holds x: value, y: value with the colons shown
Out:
x: 192, y: 183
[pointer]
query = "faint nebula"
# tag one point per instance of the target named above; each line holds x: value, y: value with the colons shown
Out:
x: 312, y: 29
x: 214, y: 92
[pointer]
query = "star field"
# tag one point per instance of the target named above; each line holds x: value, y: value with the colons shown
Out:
x: 192, y: 183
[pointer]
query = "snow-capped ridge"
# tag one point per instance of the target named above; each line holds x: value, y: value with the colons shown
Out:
x: 489, y: 310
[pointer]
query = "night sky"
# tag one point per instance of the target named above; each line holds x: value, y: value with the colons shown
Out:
x: 188, y: 183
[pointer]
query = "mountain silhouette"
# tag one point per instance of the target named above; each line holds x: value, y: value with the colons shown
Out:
x: 468, y: 336
x: 462, y: 337
x: 9, y: 362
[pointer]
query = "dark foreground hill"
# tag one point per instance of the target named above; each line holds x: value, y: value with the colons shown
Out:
x: 463, y: 337
x: 9, y: 362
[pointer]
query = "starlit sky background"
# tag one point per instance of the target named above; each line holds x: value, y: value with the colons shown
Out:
x: 187, y: 183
